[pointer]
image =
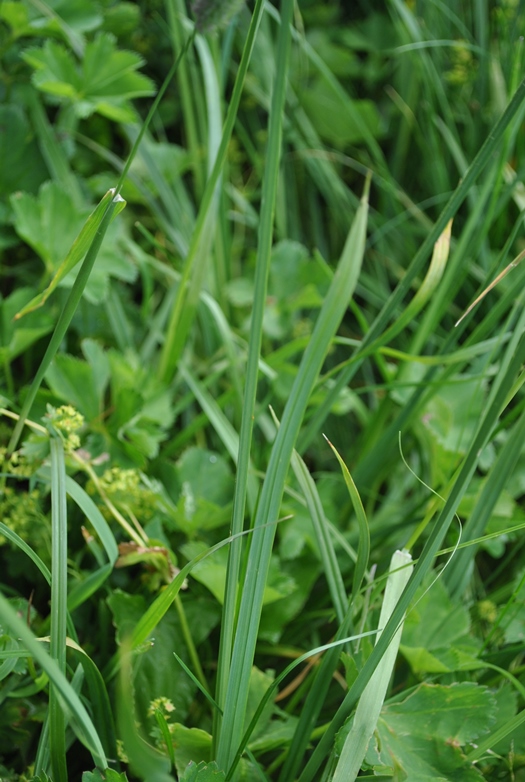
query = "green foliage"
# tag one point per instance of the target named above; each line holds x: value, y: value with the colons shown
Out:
x: 104, y: 83
x: 210, y: 14
x: 422, y: 733
x: 26, y: 168
x: 161, y: 372
x: 202, y: 772
x: 108, y: 775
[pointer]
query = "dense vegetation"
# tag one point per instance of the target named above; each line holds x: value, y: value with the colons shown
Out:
x: 195, y: 583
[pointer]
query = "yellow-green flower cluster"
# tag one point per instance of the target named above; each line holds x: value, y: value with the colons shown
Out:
x: 463, y: 65
x: 162, y: 704
x: 17, y: 464
x: 121, y: 752
x: 163, y: 707
x: 487, y: 611
x: 66, y: 421
x: 126, y: 489
x: 22, y: 513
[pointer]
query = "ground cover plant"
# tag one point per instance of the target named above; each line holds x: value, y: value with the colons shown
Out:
x: 262, y: 460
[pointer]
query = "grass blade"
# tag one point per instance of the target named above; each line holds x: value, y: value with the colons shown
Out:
x: 501, y: 389
x: 252, y: 369
x: 57, y: 719
x: 324, y: 539
x: 78, y: 250
x: 105, y: 218
x: 175, y: 335
x: 20, y: 630
x: 277, y: 681
x: 371, y: 701
x: 363, y: 550
x: 373, y: 337
x: 458, y: 572
x: 333, y: 308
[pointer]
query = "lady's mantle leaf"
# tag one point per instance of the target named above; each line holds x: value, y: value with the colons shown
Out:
x: 422, y: 734
x: 104, y: 82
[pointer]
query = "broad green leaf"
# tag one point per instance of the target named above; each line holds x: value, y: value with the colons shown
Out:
x: 65, y: 18
x: 156, y: 673
x: 142, y: 409
x: 16, y: 16
x: 108, y: 775
x: 339, y: 124
x: 212, y: 573
x: 78, y: 15
x: 193, y: 513
x: 435, y: 620
x: 16, y: 338
x: 72, y: 380
x: 104, y: 82
x: 207, y: 473
x: 452, y: 415
x: 49, y: 223
x: 203, y: 772
x: 507, y: 700
x: 122, y: 18
x: 422, y: 734
x: 436, y: 633
x: 191, y: 744
x: 22, y: 164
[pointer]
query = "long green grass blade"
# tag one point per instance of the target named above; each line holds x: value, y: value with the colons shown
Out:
x: 485, y: 745
x: 82, y: 591
x: 161, y: 604
x: 84, y: 724
x: 100, y: 525
x: 324, y: 540
x: 363, y: 550
x: 278, y: 680
x: 57, y: 719
x: 373, y: 336
x: 458, y: 572
x: 99, y: 700
x: 314, y: 703
x: 501, y: 389
x: 66, y: 315
x: 23, y: 546
x: 371, y: 701
x: 176, y: 336
x: 78, y: 250
x: 243, y: 482
x: 332, y: 311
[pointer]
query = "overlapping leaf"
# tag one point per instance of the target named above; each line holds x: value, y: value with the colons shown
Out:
x: 104, y: 82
